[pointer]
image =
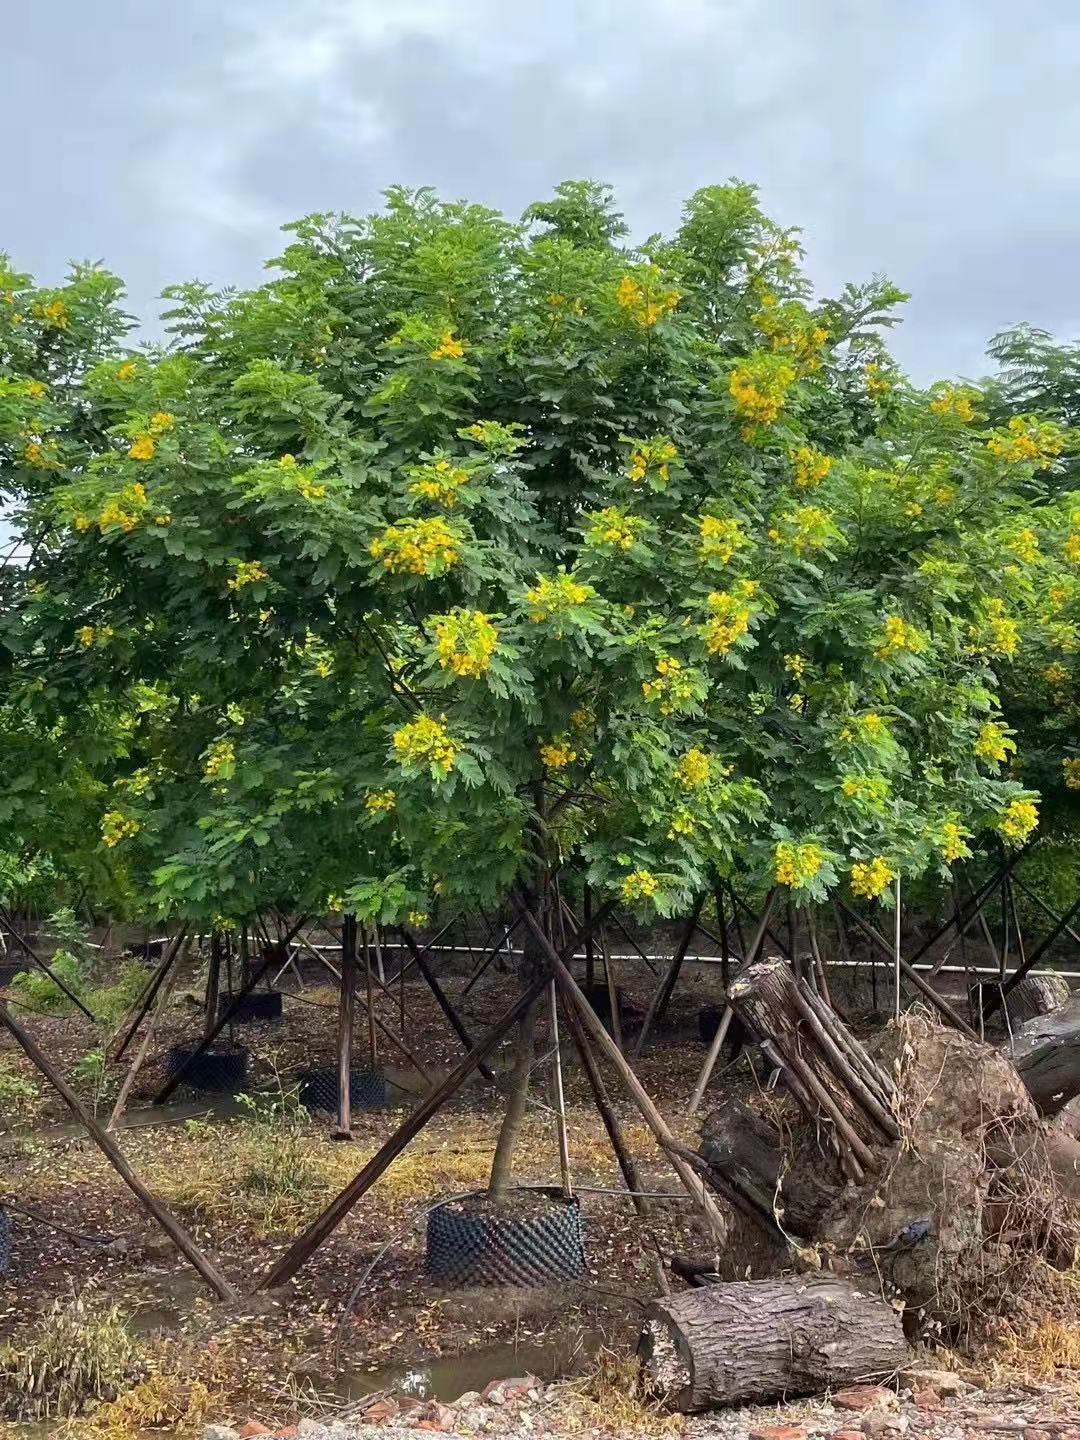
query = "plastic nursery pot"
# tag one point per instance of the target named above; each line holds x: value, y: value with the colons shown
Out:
x: 255, y: 1005
x: 319, y: 1088
x: 470, y: 1243
x: 220, y: 1071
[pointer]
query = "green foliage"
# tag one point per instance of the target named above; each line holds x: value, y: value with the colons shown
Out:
x: 37, y: 991
x: 111, y: 1002
x: 20, y: 1097
x: 465, y: 549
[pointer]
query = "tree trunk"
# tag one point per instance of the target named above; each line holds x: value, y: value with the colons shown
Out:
x: 760, y: 1340
x: 1046, y: 1054
x: 345, y: 1026
x: 745, y: 1149
x: 502, y: 1165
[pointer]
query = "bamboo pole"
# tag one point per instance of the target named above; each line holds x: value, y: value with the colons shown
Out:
x: 607, y: 1114
x: 144, y: 1047
x: 29, y: 951
x: 150, y: 990
x: 345, y: 1027
x: 662, y: 994
x: 150, y: 1203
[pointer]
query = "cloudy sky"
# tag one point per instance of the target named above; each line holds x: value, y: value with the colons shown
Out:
x: 937, y: 142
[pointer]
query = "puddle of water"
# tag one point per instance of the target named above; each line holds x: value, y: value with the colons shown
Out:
x: 451, y: 1376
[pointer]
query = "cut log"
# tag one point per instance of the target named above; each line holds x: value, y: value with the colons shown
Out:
x: 760, y: 1340
x: 744, y: 1148
x: 1046, y: 1053
x: 1034, y: 996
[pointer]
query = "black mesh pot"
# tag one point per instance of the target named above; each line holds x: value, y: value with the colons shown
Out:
x: 544, y: 1249
x: 219, y: 1071
x: 5, y: 1242
x: 319, y: 1088
x: 255, y: 1005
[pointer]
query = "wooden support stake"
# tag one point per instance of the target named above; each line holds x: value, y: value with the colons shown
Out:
x: 345, y: 1026
x: 725, y: 1020
x: 607, y: 1114
x: 151, y: 989
x: 558, y: 1097
x: 150, y: 1203
x: 9, y: 925
x: 612, y: 990
x: 662, y: 995
x: 144, y: 1047
x: 444, y: 1004
x: 650, y: 1114
x: 373, y: 1053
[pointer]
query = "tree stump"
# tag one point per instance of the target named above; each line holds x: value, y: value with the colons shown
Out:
x: 759, y: 1340
x: 1046, y: 1054
x: 827, y: 1071
x: 1035, y: 995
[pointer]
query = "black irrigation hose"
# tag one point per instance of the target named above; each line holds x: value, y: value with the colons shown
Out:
x: 55, y: 1225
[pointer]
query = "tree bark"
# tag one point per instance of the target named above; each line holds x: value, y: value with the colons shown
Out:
x: 502, y: 1164
x: 1046, y: 1054
x: 345, y: 1025
x: 760, y: 1340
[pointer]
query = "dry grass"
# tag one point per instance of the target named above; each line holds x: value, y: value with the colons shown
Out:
x: 77, y: 1352
x: 609, y: 1399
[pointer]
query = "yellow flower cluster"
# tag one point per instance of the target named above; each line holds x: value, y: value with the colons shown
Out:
x: 90, y: 635
x: 124, y: 510
x: 794, y: 865
x: 869, y: 726
x: 220, y: 759
x: 438, y: 482
x: 992, y: 743
x: 792, y: 330
x: 873, y: 789
x: 870, y: 877
x: 899, y: 635
x: 417, y: 919
x: 720, y: 539
x: 729, y: 612
x: 645, y: 300
x: 612, y: 528
x: 1019, y: 820
x: 1072, y: 540
x: 803, y: 528
x: 426, y: 741
x: 809, y: 466
x: 951, y: 840
x: 682, y: 823
x: 553, y: 596
x: 994, y: 633
x: 465, y: 641
x: 557, y: 754
x: 417, y: 547
x: 1071, y: 769
x: 116, y: 826
x: 954, y: 400
x: 161, y: 421
x: 1028, y: 441
x: 500, y: 439
x: 55, y: 313
x: 34, y: 389
x: 651, y: 457
x: 878, y: 381
x: 42, y: 456
x: 694, y: 769
x: 126, y: 371
x: 673, y: 686
x: 246, y: 572
x: 796, y: 666
x: 448, y: 347
x: 1056, y: 674
x: 759, y: 387
x: 142, y: 448
x: 381, y: 802
x: 1025, y: 545
x: 581, y: 719
x: 639, y: 885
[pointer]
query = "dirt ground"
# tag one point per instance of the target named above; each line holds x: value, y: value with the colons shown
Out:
x: 245, y: 1187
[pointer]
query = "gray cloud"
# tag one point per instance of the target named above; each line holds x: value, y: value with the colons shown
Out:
x: 937, y: 143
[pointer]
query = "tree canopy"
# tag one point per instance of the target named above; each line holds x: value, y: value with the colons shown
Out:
x: 465, y: 548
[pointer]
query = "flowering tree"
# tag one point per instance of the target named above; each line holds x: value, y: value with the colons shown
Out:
x: 464, y: 553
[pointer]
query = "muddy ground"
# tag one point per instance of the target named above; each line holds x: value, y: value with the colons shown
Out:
x: 245, y: 1188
